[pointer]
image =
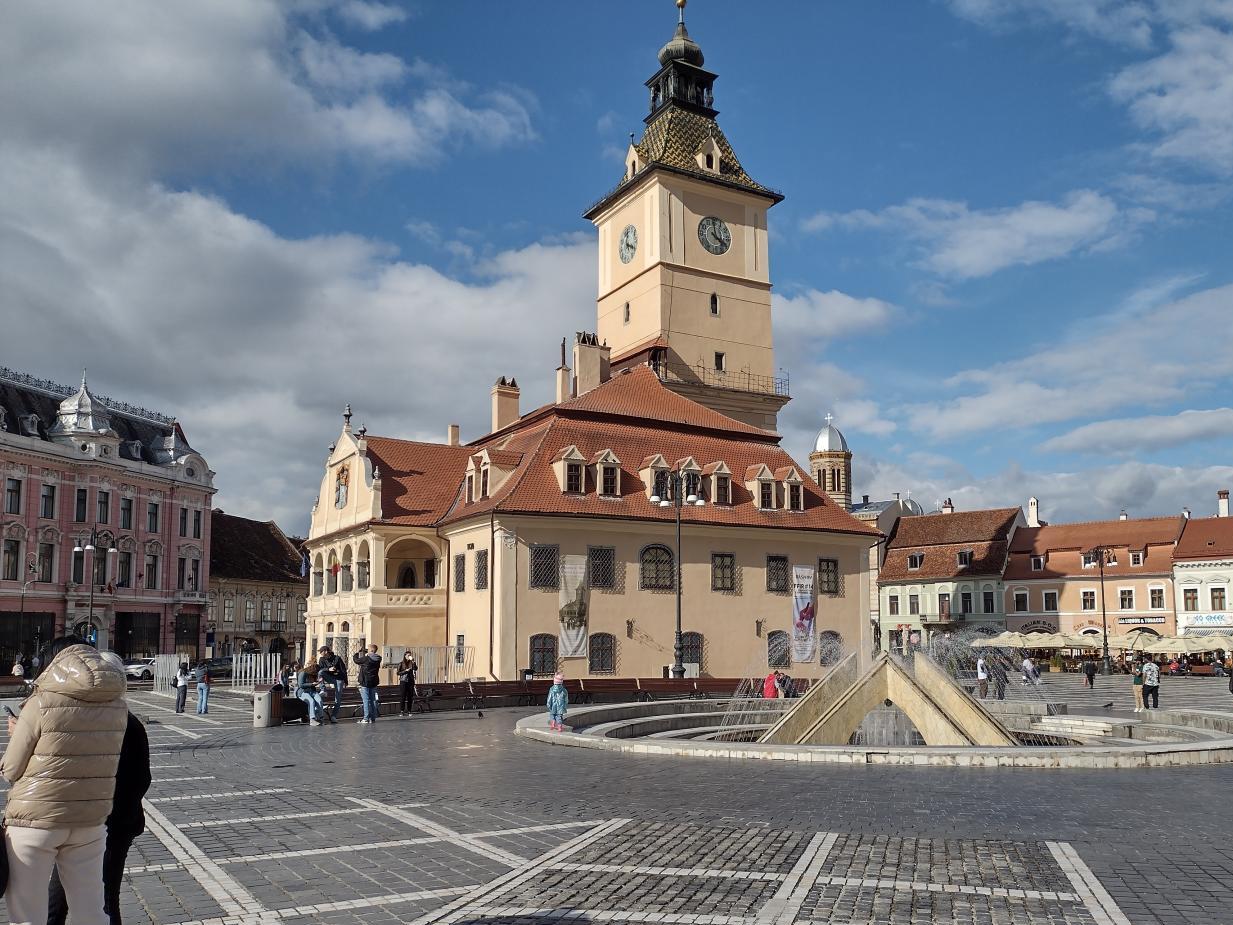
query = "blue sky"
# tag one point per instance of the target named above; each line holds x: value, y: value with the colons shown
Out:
x: 1005, y: 259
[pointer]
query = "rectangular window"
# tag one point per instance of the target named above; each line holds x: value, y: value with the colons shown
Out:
x: 1021, y: 602
x: 915, y: 561
x: 47, y: 559
x: 484, y: 483
x: 721, y: 361
x: 914, y: 605
x: 892, y: 605
x: 99, y: 575
x: 1136, y: 558
x: 723, y: 489
x: 126, y: 513
x: 965, y: 602
x: 124, y: 570
x: 470, y: 488
x: 601, y: 567
x: 102, y: 504
x: 151, y: 572
x: 1218, y: 598
x: 1126, y: 599
x: 610, y: 481
x: 723, y: 571
x: 229, y: 610
x: 266, y: 607
x: 181, y: 572
x: 573, y: 477
x: 47, y: 502
x: 152, y: 517
x: 1089, y: 560
x: 964, y: 557
x: 301, y: 612
x: 79, y: 568
x: 766, y: 495
x: 828, y: 576
x: 944, y: 605
x: 481, y: 570
x: 1089, y: 600
x: 794, y: 498
x: 282, y: 613
x: 1038, y: 563
x: 1190, y: 599
x: 544, y: 571
x: 777, y: 573
x: 196, y: 525
x: 183, y: 521
x: 11, y: 566
x: 12, y: 496
x: 250, y: 611
x: 1156, y: 598
x: 988, y: 601
x: 1051, y: 601
x: 79, y: 511
x: 460, y: 572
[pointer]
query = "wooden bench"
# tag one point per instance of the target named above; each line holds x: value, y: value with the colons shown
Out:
x: 612, y: 687
x: 649, y: 687
x: 1207, y: 670
x: 491, y: 690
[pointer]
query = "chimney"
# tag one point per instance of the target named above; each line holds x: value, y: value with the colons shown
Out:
x: 1222, y: 503
x: 1033, y: 514
x: 504, y: 403
x: 894, y: 495
x: 452, y: 437
x: 591, y: 362
x: 948, y: 506
x: 1123, y: 515
x: 1185, y: 513
x: 864, y: 499
x: 564, y: 391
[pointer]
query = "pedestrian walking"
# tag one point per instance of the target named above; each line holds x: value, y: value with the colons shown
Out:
x: 62, y: 758
x: 126, y: 822
x: 982, y: 677
x: 1151, y: 684
x: 201, y: 674
x: 332, y: 672
x: 369, y: 676
x: 1089, y: 673
x: 558, y: 703
x: 1136, y: 680
x: 181, y: 682
x: 307, y: 688
x: 1030, y: 674
x: 407, y: 669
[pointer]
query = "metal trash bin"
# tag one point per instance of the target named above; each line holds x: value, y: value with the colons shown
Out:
x: 277, y: 693
x: 267, y: 709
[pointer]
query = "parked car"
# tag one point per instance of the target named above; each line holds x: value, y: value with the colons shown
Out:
x: 140, y: 669
x: 219, y: 667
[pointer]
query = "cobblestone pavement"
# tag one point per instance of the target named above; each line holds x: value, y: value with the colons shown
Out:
x: 449, y: 818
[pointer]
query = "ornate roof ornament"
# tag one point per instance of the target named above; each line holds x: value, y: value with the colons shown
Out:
x: 81, y: 413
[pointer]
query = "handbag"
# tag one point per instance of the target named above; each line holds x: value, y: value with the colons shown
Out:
x: 4, y: 859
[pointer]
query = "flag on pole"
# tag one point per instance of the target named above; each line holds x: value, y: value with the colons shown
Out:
x: 304, y: 565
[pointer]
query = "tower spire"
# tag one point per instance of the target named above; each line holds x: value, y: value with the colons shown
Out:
x: 680, y: 5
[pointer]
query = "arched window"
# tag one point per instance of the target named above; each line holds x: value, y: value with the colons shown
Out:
x: 691, y: 649
x: 345, y: 628
x: 830, y: 647
x: 406, y: 576
x: 710, y: 162
x: 714, y: 297
x: 657, y: 568
x: 602, y: 653
x: 543, y: 653
x: 329, y: 627
x: 778, y: 649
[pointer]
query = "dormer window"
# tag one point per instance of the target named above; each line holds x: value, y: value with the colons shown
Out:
x: 795, y: 498
x: 964, y: 557
x: 723, y: 489
x: 608, y: 482
x: 710, y: 162
x: 573, y: 478
x: 661, y: 483
x: 766, y: 495
x: 1136, y: 558
x: 484, y: 482
x: 1089, y: 560
x: 915, y: 561
x: 470, y: 488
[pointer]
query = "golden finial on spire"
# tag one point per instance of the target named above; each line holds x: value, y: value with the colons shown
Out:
x: 680, y: 5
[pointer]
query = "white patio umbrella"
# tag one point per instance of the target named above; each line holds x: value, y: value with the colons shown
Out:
x: 1185, y: 645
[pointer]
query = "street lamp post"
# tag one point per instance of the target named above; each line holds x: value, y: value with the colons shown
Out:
x: 676, y: 483
x: 88, y: 569
x: 32, y: 570
x: 1102, y: 557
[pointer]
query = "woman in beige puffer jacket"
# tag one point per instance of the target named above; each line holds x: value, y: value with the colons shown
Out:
x: 61, y: 762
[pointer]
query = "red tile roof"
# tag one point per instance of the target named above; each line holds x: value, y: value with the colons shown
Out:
x: 941, y: 562
x: 251, y: 550
x: 1208, y: 538
x: 1063, y: 546
x: 645, y: 346
x: 419, y: 481
x: 959, y: 527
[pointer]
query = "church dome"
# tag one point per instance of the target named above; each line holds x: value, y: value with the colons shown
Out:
x: 830, y: 440
x: 681, y: 48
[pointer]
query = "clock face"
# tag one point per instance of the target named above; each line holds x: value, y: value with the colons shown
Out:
x: 714, y: 235
x: 629, y: 244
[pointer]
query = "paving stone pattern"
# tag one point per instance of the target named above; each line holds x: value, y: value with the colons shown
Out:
x: 448, y: 818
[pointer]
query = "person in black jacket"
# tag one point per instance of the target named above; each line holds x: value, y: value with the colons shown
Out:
x: 126, y: 822
x: 332, y: 672
x: 370, y: 675
x: 406, y: 683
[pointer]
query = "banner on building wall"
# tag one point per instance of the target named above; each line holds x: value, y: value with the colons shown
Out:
x: 572, y: 611
x: 804, y: 638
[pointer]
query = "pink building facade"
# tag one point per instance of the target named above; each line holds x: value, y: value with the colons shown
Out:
x: 78, y: 471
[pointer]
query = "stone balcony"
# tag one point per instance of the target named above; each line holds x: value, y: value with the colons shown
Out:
x: 417, y: 598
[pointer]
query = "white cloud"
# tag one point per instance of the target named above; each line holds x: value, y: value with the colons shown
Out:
x: 1130, y: 436
x: 1141, y: 354
x: 962, y: 243
x: 255, y: 341
x: 170, y: 87
x: 370, y: 16
x: 1115, y: 20
x: 815, y: 315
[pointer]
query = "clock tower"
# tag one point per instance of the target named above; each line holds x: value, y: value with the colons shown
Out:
x: 684, y: 281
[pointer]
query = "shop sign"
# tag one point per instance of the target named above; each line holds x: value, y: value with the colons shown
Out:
x: 1208, y: 619
x: 1038, y: 626
x: 1125, y: 620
